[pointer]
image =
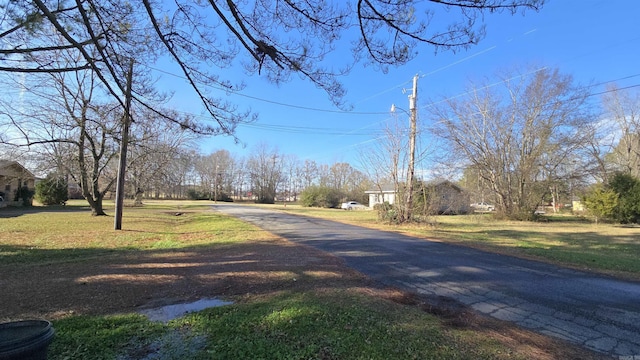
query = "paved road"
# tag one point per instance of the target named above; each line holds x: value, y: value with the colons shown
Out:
x: 599, y: 313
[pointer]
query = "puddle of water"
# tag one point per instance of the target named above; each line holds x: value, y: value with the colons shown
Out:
x: 170, y: 312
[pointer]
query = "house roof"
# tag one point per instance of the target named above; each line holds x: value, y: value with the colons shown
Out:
x: 6, y: 164
x: 385, y: 188
x: 440, y: 182
x: 389, y: 188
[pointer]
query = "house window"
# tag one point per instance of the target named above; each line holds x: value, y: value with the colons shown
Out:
x: 7, y: 188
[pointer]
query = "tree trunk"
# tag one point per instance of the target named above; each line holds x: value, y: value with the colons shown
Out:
x: 96, y: 205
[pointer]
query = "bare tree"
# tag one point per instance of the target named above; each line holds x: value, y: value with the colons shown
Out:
x: 599, y: 142
x: 623, y: 109
x: 64, y: 122
x: 238, y: 177
x: 265, y: 168
x: 215, y: 174
x: 356, y: 184
x: 179, y: 176
x: 154, y: 145
x: 278, y: 38
x: 324, y: 175
x: 339, y: 174
x: 309, y: 172
x: 385, y: 161
x: 293, y: 177
x: 518, y: 136
x: 68, y: 116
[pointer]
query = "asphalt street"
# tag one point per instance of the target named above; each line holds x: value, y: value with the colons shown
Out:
x: 600, y: 313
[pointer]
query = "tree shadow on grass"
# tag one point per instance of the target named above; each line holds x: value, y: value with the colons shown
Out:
x: 106, y: 281
x: 56, y: 283
x: 16, y: 211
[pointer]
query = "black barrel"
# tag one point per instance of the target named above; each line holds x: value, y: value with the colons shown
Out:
x: 27, y: 339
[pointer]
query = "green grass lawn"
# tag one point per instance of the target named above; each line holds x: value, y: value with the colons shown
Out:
x: 306, y: 321
x: 66, y: 233
x: 309, y: 325
x: 562, y: 239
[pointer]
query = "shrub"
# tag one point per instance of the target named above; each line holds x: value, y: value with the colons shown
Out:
x: 193, y: 194
x: 53, y: 190
x: 628, y: 189
x: 320, y: 196
x: 601, y: 202
x: 386, y: 212
x: 265, y: 199
x: 224, y: 197
x: 25, y: 194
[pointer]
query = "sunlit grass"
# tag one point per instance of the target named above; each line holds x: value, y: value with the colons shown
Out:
x: 329, y: 325
x: 157, y: 225
x: 101, y: 337
x: 337, y: 325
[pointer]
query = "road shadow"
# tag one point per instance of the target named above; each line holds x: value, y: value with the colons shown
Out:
x: 16, y: 211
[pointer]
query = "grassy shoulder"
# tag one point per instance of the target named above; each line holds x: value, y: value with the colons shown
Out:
x: 561, y: 239
x: 67, y: 233
x: 290, y: 302
x: 299, y: 325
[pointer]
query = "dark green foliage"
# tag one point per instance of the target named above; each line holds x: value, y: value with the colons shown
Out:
x: 265, y: 199
x: 25, y: 194
x: 628, y: 189
x: 321, y: 196
x: 52, y: 191
x: 194, y: 194
x: 386, y: 212
x: 224, y: 197
x: 601, y: 202
x: 356, y: 195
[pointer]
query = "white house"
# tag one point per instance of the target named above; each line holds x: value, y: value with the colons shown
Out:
x: 384, y: 193
x: 444, y: 197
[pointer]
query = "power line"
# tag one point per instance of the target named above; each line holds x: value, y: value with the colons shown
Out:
x: 482, y: 52
x: 273, y: 101
x: 307, y: 130
x: 292, y: 129
x: 614, y: 90
x: 442, y: 68
x: 535, y: 71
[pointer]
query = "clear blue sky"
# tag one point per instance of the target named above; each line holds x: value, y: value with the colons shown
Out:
x: 593, y: 40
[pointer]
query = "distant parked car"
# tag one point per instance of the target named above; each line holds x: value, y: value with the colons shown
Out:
x: 352, y: 205
x: 482, y: 206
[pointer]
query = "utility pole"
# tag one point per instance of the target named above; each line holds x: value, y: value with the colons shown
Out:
x: 412, y: 147
x: 124, y: 142
x: 215, y: 184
